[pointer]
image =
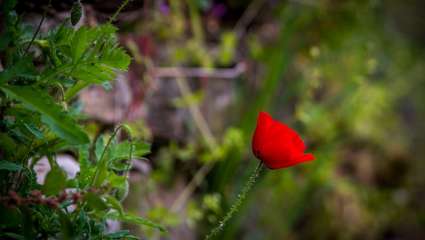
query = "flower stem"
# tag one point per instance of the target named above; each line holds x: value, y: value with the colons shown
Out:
x: 118, y: 11
x: 237, y: 204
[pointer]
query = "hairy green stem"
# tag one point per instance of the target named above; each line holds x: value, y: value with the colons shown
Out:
x: 237, y: 204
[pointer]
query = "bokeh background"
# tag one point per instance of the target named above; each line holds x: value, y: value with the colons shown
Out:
x: 348, y: 75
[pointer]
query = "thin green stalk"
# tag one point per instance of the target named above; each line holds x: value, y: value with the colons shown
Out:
x: 237, y: 204
x: 120, y: 8
x: 38, y: 28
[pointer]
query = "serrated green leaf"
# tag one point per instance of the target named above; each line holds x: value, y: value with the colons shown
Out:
x: 55, y: 181
x: 81, y: 41
x: 116, y: 57
x: 62, y: 36
x: 10, y: 166
x: 52, y: 114
x: 94, y: 73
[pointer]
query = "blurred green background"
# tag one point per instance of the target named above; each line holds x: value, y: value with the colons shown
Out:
x: 348, y: 75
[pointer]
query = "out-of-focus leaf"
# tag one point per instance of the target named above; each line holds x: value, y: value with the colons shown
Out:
x: 55, y: 181
x: 10, y: 217
x: 117, y: 181
x: 122, y: 191
x: 10, y: 166
x: 227, y: 47
x: 95, y: 202
x: 7, y: 144
x: 189, y: 100
x: 66, y: 226
x: 122, y: 234
x: 13, y: 236
x: 72, y: 91
x: 22, y: 68
x: 129, y: 218
x: 100, y: 147
x: 8, y: 5
x: 114, y: 204
x: 34, y: 130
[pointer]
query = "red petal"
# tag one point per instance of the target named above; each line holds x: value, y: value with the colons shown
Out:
x: 264, y: 123
x: 277, y: 145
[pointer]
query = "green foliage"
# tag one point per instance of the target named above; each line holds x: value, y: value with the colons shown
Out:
x: 55, y: 181
x: 135, y: 220
x: 9, y: 166
x: 38, y: 120
x: 51, y: 114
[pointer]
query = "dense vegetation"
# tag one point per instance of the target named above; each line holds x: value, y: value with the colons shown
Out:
x: 41, y: 77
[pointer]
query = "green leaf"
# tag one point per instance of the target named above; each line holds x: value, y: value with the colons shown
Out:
x: 72, y: 91
x: 55, y: 181
x: 100, y: 175
x: 117, y: 181
x: 52, y: 114
x: 66, y: 226
x: 122, y: 234
x: 95, y: 202
x: 119, y: 152
x: 87, y: 169
x: 8, y: 5
x: 7, y: 145
x: 34, y: 130
x: 99, y: 147
x: 129, y: 218
x: 94, y: 73
x: 81, y: 41
x: 188, y: 100
x: 13, y: 236
x: 24, y: 68
x: 114, y: 204
x: 116, y: 57
x: 122, y: 150
x: 10, y: 166
x: 227, y: 47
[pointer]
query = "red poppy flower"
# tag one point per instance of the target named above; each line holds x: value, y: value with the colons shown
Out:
x: 277, y: 145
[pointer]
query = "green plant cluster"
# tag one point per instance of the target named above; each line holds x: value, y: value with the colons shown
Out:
x: 39, y: 117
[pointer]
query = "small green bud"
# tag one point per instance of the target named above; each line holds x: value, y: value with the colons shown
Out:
x: 76, y: 12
